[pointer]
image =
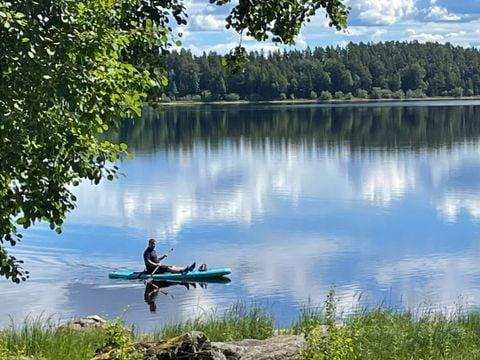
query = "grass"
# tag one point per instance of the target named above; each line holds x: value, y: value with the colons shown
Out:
x: 41, y: 339
x: 237, y: 323
x: 378, y: 333
x: 382, y: 333
x: 385, y: 334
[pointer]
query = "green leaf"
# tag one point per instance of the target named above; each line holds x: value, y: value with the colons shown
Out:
x: 30, y: 54
x: 22, y: 220
x: 123, y: 146
x: 46, y: 77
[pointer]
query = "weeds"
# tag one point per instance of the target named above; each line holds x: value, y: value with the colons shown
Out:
x: 385, y: 334
x: 330, y: 341
x: 118, y: 340
x: 237, y: 323
x: 42, y: 339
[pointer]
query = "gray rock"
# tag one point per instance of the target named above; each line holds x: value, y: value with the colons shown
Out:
x: 280, y: 347
x: 191, y: 345
x: 229, y: 351
x: 196, y: 345
x: 85, y: 323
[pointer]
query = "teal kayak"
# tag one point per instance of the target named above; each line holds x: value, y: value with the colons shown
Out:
x: 192, y: 275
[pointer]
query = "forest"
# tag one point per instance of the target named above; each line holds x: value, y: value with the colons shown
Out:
x: 386, y: 70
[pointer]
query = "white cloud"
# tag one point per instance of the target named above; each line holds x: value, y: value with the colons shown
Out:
x: 460, y: 33
x: 224, y: 48
x: 209, y: 22
x: 385, y: 12
x: 464, y: 34
x: 378, y: 33
x: 441, y: 14
x: 424, y: 37
x: 357, y: 30
x: 199, y: 7
x: 300, y: 41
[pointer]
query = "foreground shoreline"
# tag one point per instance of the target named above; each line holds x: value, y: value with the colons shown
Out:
x: 319, y: 333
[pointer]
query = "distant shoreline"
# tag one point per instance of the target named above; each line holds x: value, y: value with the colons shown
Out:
x: 313, y: 101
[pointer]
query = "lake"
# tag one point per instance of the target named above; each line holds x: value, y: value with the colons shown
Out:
x: 380, y: 200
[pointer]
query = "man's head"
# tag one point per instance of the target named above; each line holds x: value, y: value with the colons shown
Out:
x: 151, y: 243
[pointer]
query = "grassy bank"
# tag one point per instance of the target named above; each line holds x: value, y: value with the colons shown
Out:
x: 42, y: 339
x: 367, y: 334
x: 386, y: 334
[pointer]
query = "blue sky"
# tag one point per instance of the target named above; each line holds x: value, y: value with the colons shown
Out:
x: 454, y: 21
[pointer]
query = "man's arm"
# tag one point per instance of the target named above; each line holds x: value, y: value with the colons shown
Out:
x: 150, y: 262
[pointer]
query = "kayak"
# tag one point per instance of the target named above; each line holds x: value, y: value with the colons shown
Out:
x: 191, y: 275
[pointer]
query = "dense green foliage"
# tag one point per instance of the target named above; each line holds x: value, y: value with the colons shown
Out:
x: 70, y: 69
x: 383, y: 70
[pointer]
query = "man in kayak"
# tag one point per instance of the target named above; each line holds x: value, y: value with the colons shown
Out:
x: 153, y: 262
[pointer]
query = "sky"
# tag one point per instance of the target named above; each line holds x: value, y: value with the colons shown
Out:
x: 453, y: 21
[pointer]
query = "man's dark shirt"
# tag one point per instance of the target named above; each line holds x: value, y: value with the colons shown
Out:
x: 150, y: 254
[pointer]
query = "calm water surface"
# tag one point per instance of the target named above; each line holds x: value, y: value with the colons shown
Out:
x: 382, y: 201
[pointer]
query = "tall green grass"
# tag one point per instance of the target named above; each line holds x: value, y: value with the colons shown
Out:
x: 237, y: 323
x: 382, y: 333
x: 42, y: 339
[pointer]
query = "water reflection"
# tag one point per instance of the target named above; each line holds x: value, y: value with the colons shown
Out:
x: 359, y: 127
x: 382, y: 202
x: 154, y: 288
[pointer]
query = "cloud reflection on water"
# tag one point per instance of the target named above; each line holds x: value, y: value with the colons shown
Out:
x: 244, y: 185
x: 291, y: 219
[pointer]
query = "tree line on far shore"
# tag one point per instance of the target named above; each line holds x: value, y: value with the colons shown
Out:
x: 383, y: 70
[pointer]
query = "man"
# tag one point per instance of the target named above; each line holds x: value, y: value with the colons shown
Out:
x: 153, y: 265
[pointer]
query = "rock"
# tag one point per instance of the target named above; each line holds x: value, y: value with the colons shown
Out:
x: 280, y: 347
x: 191, y: 345
x: 230, y: 351
x: 196, y: 345
x: 85, y: 323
